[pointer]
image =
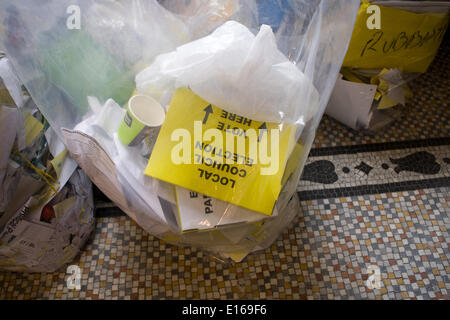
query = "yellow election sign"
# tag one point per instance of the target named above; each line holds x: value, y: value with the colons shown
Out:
x: 406, y: 40
x: 225, y: 156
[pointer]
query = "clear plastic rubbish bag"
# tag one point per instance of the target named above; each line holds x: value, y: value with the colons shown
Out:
x: 46, y: 204
x: 194, y: 117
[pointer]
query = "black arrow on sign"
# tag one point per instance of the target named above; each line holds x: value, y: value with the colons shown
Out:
x: 262, y: 129
x: 208, y: 110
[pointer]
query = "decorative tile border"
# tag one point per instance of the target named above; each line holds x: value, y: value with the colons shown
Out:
x: 353, y: 173
x: 374, y: 147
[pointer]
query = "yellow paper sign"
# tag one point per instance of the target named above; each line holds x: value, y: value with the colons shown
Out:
x: 407, y: 41
x: 202, y: 135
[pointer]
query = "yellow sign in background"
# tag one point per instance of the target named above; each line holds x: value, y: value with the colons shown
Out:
x: 407, y: 41
x: 241, y: 184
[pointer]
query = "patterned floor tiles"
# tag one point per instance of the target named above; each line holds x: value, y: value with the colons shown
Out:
x: 326, y: 253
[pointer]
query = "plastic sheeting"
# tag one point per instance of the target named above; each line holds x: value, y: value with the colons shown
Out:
x: 46, y: 203
x: 227, y: 65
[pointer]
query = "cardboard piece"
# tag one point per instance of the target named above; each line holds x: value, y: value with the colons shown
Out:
x: 200, y: 212
x: 351, y: 103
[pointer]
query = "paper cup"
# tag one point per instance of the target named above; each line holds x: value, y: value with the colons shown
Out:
x: 144, y: 117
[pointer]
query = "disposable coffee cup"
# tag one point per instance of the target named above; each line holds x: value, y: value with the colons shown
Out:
x: 143, y: 118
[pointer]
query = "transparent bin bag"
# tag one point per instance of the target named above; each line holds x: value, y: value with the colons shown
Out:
x: 247, y: 70
x: 68, y: 50
x: 31, y: 153
x: 43, y: 220
x: 12, y: 131
x: 201, y: 17
x: 43, y: 236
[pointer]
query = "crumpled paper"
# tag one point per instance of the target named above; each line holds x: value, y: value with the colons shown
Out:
x: 391, y: 85
x: 44, y: 221
x: 42, y: 236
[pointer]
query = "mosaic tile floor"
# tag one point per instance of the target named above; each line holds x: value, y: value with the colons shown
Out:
x: 369, y: 204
